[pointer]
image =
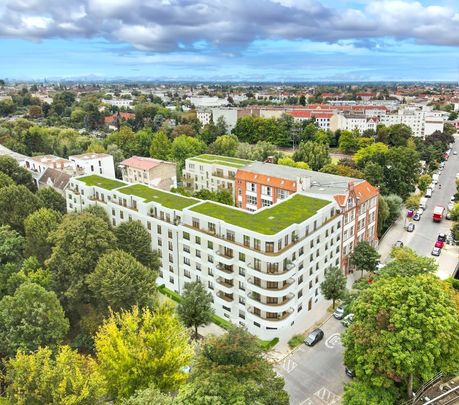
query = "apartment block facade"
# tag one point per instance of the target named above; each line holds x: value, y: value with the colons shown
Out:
x: 263, y: 269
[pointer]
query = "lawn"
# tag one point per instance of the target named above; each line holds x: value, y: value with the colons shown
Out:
x: 221, y: 160
x: 168, y: 200
x: 269, y: 221
x: 99, y: 181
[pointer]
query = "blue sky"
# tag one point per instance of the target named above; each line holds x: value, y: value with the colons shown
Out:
x: 254, y: 40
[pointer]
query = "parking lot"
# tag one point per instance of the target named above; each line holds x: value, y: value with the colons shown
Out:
x: 315, y: 375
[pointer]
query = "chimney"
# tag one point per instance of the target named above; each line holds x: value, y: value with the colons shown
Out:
x: 350, y: 186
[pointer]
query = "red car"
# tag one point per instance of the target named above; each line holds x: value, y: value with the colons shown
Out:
x: 439, y: 244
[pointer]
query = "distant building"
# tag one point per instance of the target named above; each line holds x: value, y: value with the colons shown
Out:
x: 54, y: 178
x: 152, y: 172
x: 98, y: 163
x: 118, y: 102
x: 204, y: 117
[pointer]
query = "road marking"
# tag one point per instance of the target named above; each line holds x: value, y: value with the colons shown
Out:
x: 307, y: 401
x: 327, y: 396
x: 333, y: 341
x: 288, y: 364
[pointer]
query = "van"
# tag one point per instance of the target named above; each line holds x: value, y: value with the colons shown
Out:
x: 423, y: 203
x: 428, y: 193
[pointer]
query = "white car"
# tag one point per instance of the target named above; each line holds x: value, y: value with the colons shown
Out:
x: 455, y: 152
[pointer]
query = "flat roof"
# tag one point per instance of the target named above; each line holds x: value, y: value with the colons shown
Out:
x: 221, y: 160
x: 269, y: 221
x: 321, y: 183
x: 168, y: 200
x: 102, y: 182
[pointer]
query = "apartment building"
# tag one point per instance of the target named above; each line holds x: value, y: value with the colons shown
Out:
x: 352, y: 121
x: 259, y: 185
x: 422, y: 123
x: 204, y: 117
x: 211, y: 172
x: 263, y: 269
x: 98, y: 163
x: 37, y: 165
x: 152, y: 172
x: 323, y: 118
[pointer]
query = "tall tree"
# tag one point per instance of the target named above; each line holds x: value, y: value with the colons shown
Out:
x: 184, y: 147
x: 225, y: 145
x: 195, y: 308
x: 38, y: 226
x: 365, y: 257
x: 31, y: 318
x: 334, y: 285
x: 11, y: 245
x: 160, y: 146
x: 39, y: 378
x: 52, y: 199
x: 78, y: 242
x: 19, y: 174
x: 404, y: 328
x: 349, y: 141
x: 133, y: 238
x: 5, y: 180
x: 119, y: 281
x: 314, y: 154
x: 138, y: 348
x: 16, y: 203
x: 407, y: 263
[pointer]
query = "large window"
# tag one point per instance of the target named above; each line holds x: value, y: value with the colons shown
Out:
x: 251, y: 200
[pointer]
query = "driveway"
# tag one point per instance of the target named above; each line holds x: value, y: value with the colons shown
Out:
x: 425, y: 234
x: 315, y: 375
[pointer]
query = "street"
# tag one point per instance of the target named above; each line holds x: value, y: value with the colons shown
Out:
x: 315, y: 375
x: 425, y: 234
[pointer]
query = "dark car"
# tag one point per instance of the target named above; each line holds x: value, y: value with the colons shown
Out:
x: 442, y: 237
x: 315, y: 336
x: 349, y: 372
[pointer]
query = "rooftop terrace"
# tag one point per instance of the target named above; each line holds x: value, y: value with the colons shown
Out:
x: 168, y: 200
x: 102, y: 182
x: 221, y: 160
x: 268, y: 221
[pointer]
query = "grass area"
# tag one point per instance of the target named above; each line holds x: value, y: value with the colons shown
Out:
x: 295, y: 341
x: 217, y: 320
x: 334, y: 160
x: 269, y: 221
x: 103, y: 182
x: 221, y: 160
x: 168, y: 200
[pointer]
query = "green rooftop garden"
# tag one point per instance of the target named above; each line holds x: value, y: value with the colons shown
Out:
x: 102, y: 182
x: 168, y: 200
x: 221, y: 160
x: 269, y: 221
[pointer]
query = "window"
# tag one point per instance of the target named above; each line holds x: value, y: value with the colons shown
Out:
x: 300, y: 293
x: 195, y: 223
x: 186, y: 273
x: 198, y: 266
x: 241, y: 271
x: 281, y: 194
x: 241, y: 300
x: 300, y: 279
x: 197, y: 239
x: 210, y: 259
x: 211, y: 227
x: 257, y: 264
x: 185, y: 248
x: 186, y: 236
x: 210, y: 244
x: 256, y: 244
x: 246, y: 241
x: 171, y: 258
x: 186, y: 261
x: 251, y: 187
x: 266, y: 190
x: 241, y: 285
x: 169, y: 234
x: 158, y: 229
x: 266, y: 203
x: 210, y: 272
x: 241, y: 257
x: 198, y: 253
x: 210, y: 284
x: 251, y: 200
x: 230, y: 235
x: 269, y: 247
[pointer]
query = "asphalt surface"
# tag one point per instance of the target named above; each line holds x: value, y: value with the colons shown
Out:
x: 315, y: 375
x: 425, y: 234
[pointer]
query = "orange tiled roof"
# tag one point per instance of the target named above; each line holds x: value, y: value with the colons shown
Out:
x: 365, y: 191
x: 266, y: 180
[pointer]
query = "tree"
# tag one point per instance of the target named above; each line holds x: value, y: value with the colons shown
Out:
x: 160, y: 146
x: 407, y: 263
x: 334, y: 285
x: 16, y: 203
x: 395, y: 205
x: 404, y: 328
x: 358, y: 393
x: 52, y: 199
x: 302, y: 100
x: 19, y: 174
x: 99, y: 212
x: 119, y: 281
x: 30, y: 272
x: 221, y: 126
x: 195, y: 308
x: 5, y: 180
x: 314, y: 154
x: 31, y: 318
x: 225, y: 145
x: 373, y: 152
x: 11, y: 245
x: 413, y: 201
x: 423, y: 182
x: 184, y: 147
x: 232, y: 369
x: 38, y: 378
x: 78, y: 242
x: 262, y: 150
x: 133, y: 238
x: 349, y: 141
x: 138, y: 348
x: 288, y: 161
x: 365, y: 257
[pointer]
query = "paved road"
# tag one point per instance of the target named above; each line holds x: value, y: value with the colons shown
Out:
x: 425, y: 234
x: 315, y: 375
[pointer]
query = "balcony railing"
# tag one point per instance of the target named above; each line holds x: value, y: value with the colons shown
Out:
x: 226, y: 297
x: 225, y: 268
x: 257, y: 298
x: 280, y: 317
x: 225, y: 283
x: 284, y: 286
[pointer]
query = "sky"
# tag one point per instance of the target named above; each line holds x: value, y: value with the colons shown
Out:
x: 230, y: 40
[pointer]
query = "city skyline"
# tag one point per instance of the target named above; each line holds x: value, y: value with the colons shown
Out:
x: 277, y: 40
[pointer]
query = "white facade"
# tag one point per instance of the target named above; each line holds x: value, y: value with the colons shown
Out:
x: 352, y: 122
x: 204, y: 117
x: 95, y: 163
x: 121, y: 102
x: 422, y: 122
x: 230, y: 115
x: 266, y: 283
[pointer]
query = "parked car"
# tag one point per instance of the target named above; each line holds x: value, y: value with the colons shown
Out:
x: 436, y: 251
x: 349, y: 372
x: 439, y: 244
x: 399, y: 243
x: 455, y: 152
x: 315, y: 336
x: 339, y: 312
x: 442, y: 237
x: 347, y: 320
x: 416, y: 217
x: 448, y: 215
x: 410, y: 227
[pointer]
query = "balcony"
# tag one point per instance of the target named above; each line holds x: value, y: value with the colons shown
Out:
x: 225, y: 297
x: 283, y: 305
x: 222, y: 175
x: 282, y: 320
x: 225, y: 257
x: 224, y: 271
x: 225, y: 285
x: 271, y: 276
